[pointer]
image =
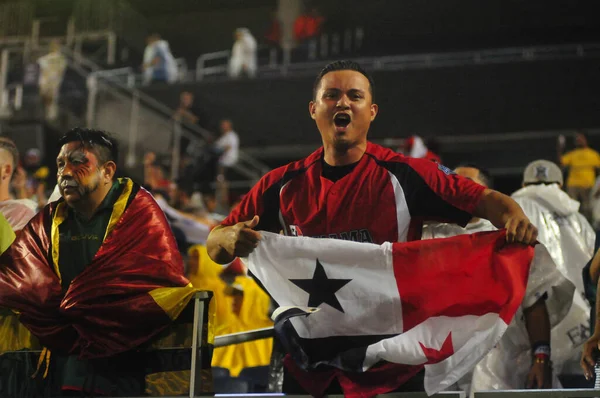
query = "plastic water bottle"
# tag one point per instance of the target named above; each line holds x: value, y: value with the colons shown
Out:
x: 597, y: 371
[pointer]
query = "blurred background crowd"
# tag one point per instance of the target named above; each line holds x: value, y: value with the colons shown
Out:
x: 206, y: 96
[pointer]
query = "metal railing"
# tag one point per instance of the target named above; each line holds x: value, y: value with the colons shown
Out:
x: 150, y: 123
x: 114, y: 16
x: 157, y: 119
x: 203, y: 70
x: 416, y: 61
x: 323, y: 46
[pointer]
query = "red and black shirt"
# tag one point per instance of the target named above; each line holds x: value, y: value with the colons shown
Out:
x: 384, y: 197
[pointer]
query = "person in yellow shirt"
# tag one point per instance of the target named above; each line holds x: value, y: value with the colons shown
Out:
x: 583, y: 162
x: 238, y: 306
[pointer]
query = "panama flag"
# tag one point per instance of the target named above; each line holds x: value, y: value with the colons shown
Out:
x: 361, y: 312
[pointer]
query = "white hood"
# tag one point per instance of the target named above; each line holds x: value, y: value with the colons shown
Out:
x: 418, y: 150
x: 549, y: 196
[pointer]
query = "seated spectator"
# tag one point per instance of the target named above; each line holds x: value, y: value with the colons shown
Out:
x: 243, y: 54
x: 159, y: 64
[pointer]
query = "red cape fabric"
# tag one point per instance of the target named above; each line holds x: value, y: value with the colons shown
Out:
x: 107, y: 308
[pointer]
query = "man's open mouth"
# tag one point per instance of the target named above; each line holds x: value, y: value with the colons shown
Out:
x: 341, y: 120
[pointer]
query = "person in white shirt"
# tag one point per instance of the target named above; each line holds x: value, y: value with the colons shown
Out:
x: 228, y: 144
x: 159, y: 63
x: 243, y: 54
x: 52, y: 70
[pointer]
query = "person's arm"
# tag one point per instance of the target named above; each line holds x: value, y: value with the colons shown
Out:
x: 224, y: 244
x: 191, y: 118
x: 595, y: 268
x: 502, y: 211
x: 435, y: 193
x: 591, y: 347
x: 236, y: 236
x: 537, y: 322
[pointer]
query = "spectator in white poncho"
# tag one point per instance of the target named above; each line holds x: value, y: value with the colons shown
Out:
x: 243, y: 54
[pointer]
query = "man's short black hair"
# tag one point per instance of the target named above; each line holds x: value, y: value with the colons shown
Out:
x: 484, y: 175
x: 343, y: 65
x: 100, y: 142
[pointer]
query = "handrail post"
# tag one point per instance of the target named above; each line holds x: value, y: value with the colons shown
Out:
x: 273, y: 57
x: 18, y: 96
x: 195, y: 371
x: 200, y: 68
x: 92, y: 85
x: 78, y: 49
x: 133, y: 129
x: 35, y: 33
x: 111, y: 48
x: 324, y: 50
x: 4, y: 70
x: 176, y: 150
x: 70, y: 32
x: 131, y: 80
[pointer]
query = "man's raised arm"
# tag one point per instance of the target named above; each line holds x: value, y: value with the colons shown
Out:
x: 502, y: 211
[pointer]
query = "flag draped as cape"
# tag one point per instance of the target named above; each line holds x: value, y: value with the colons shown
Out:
x: 130, y: 292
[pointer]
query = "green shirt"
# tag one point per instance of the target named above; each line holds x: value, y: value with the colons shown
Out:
x: 80, y: 239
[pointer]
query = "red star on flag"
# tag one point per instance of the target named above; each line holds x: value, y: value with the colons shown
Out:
x: 435, y: 356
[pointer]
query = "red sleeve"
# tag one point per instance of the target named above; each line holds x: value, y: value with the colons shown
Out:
x: 458, y: 191
x: 262, y: 201
x: 434, y: 192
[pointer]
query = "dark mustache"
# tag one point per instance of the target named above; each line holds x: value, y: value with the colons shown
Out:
x: 71, y: 182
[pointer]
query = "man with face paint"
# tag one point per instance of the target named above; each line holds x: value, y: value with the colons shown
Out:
x: 85, y: 176
x: 79, y: 305
x: 353, y: 189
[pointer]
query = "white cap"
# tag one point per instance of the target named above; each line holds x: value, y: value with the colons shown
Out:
x: 542, y: 171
